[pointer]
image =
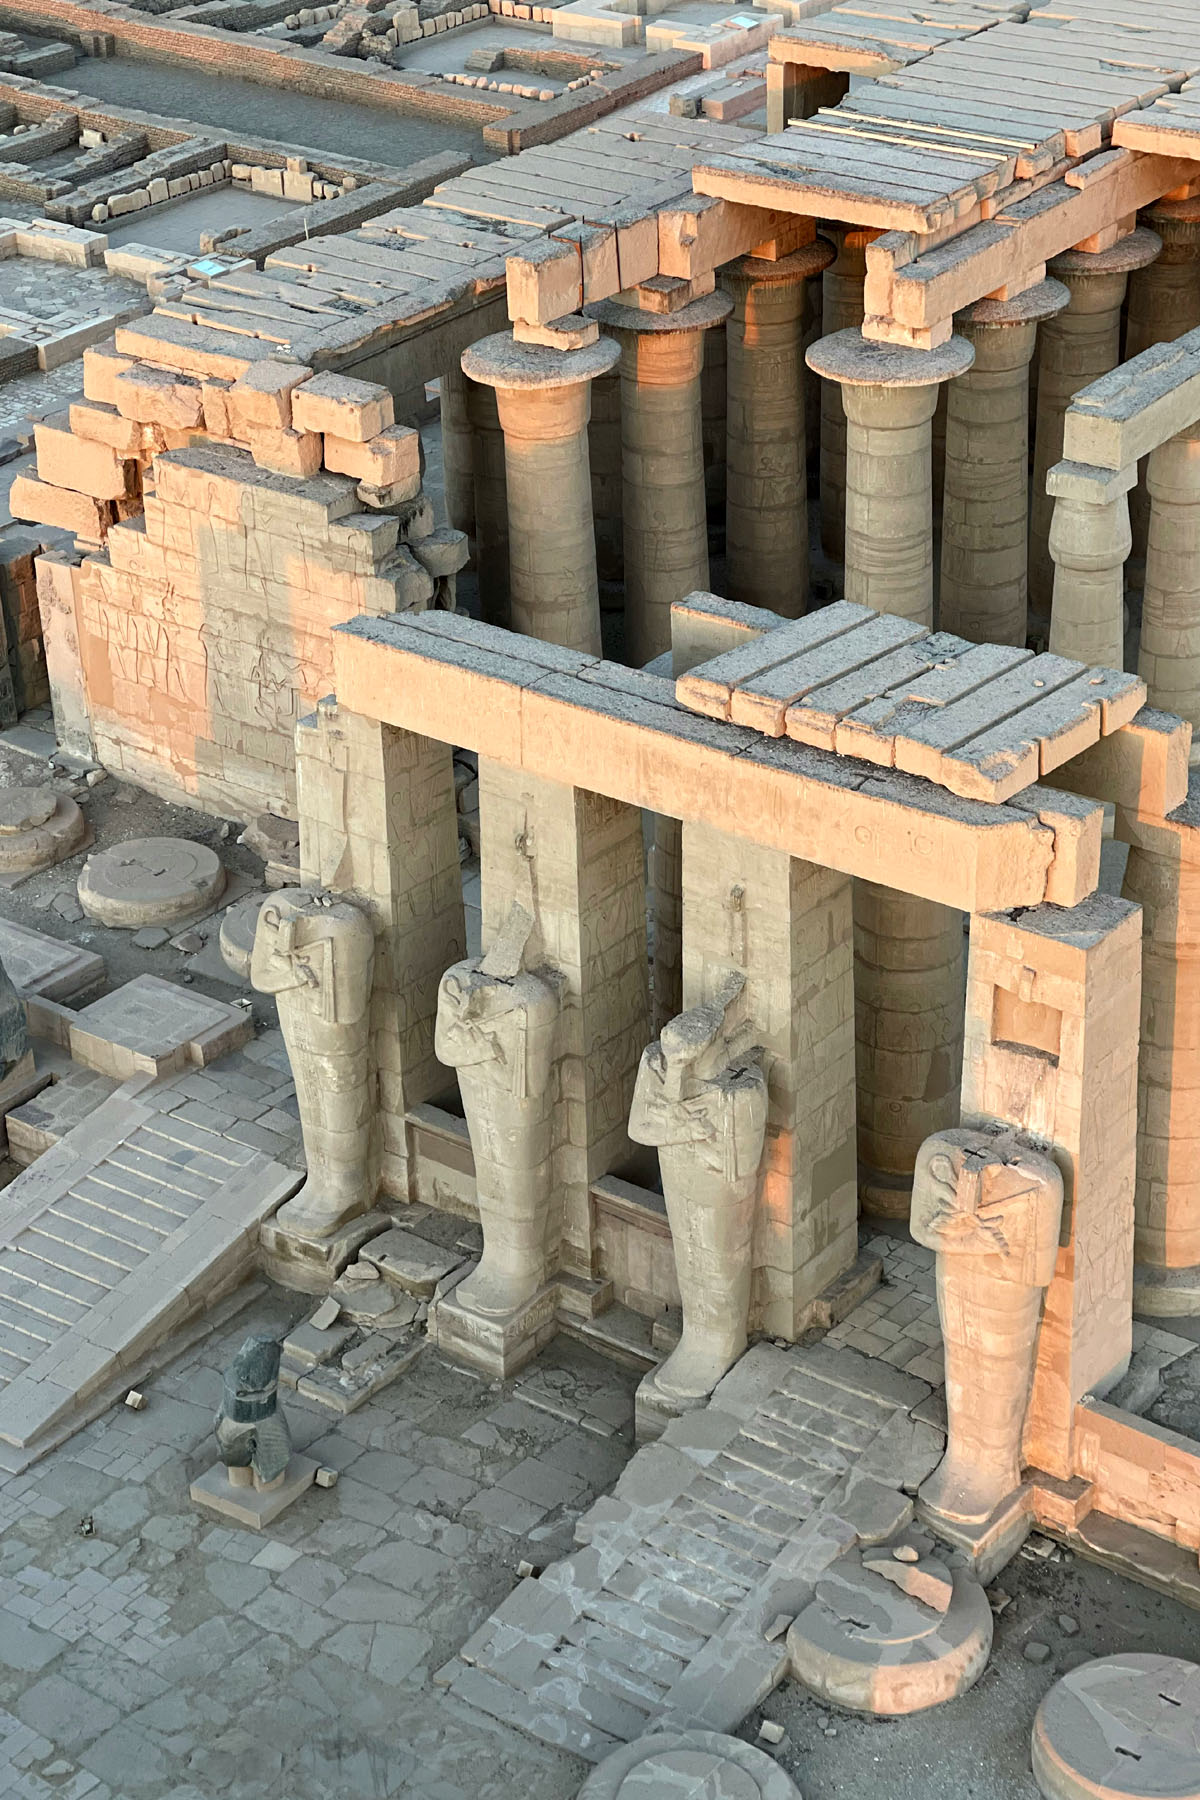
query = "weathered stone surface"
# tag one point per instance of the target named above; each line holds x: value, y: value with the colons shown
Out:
x: 150, y: 881
x: 1120, y: 1726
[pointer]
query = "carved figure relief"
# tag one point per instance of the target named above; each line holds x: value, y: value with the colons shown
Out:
x: 701, y: 1099
x: 497, y: 1024
x: 990, y: 1205
x: 316, y: 954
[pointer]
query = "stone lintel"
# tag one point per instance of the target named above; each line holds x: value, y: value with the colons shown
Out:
x: 1088, y: 484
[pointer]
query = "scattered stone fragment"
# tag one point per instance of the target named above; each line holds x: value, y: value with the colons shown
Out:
x: 771, y: 1732
x: 998, y: 1600
x: 326, y: 1478
x: 525, y: 1569
x: 135, y: 1400
x: 151, y: 937
x: 1067, y: 1625
x: 777, y: 1627
x: 326, y: 1314
x: 1036, y: 1652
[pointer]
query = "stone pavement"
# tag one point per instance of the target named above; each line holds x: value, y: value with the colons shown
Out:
x: 148, y: 1654
x: 663, y: 1615
x: 144, y: 1214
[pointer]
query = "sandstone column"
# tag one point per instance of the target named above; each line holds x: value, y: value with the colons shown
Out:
x: 458, y: 453
x: 662, y: 462
x: 841, y: 310
x: 1163, y: 876
x: 766, y: 511
x: 1169, y: 657
x: 1163, y: 303
x: 1079, y: 344
x: 713, y: 417
x: 491, y: 502
x: 786, y: 926
x: 985, y: 502
x: 1089, y: 544
x: 604, y: 455
x: 908, y: 970
x: 543, y: 397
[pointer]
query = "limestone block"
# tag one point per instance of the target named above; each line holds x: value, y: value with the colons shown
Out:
x: 70, y: 462
x: 260, y: 400
x: 155, y: 397
x: 392, y: 458
x: 101, y: 424
x: 101, y: 366
x: 43, y: 504
x: 347, y: 408
x: 284, y: 451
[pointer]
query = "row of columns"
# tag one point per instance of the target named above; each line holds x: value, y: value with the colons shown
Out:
x: 535, y: 483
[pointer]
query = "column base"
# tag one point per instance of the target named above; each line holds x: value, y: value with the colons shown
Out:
x: 252, y: 1506
x: 498, y: 1344
x: 990, y: 1545
x: 1166, y: 1293
x: 884, y: 1196
x: 653, y: 1410
x: 310, y: 1265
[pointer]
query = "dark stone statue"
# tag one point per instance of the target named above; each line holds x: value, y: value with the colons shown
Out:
x: 252, y: 1434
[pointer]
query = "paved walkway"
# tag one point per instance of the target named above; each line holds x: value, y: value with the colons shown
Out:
x: 664, y: 1611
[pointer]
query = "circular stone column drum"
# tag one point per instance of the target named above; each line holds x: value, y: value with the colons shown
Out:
x: 663, y: 503
x: 688, y: 1765
x: 766, y: 504
x: 150, y: 881
x: 543, y: 397
x: 1120, y: 1728
x: 38, y: 828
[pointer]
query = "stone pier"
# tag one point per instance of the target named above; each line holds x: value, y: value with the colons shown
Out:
x: 787, y: 926
x: 543, y: 398
x: 985, y: 504
x: 664, y: 509
x: 908, y: 951
x: 1080, y: 343
x: 1169, y: 653
x: 766, y: 510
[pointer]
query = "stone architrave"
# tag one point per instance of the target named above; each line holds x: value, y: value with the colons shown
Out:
x: 985, y: 503
x: 766, y: 508
x: 990, y: 1205
x: 1169, y: 645
x: 701, y: 1100
x: 908, y: 974
x: 1078, y: 345
x: 663, y: 502
x: 498, y: 1026
x: 543, y: 397
x: 315, y: 952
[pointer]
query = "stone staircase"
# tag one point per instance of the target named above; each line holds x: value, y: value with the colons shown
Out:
x: 669, y: 1611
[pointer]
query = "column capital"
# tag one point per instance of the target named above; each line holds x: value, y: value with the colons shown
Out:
x: 800, y: 265
x: 855, y: 361
x: 500, y: 362
x: 1132, y: 252
x: 698, y: 315
x: 1037, y: 303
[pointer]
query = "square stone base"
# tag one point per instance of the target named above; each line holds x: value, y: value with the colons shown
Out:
x: 653, y: 1410
x: 500, y: 1345
x: 989, y: 1546
x: 252, y: 1506
x: 312, y: 1265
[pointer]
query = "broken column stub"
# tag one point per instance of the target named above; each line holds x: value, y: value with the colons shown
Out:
x: 38, y: 828
x: 497, y: 1025
x: 985, y: 510
x: 766, y: 509
x: 701, y: 1100
x: 150, y: 881
x: 688, y: 1765
x: 663, y: 503
x: 1120, y: 1728
x: 990, y: 1204
x: 315, y: 953
x: 544, y: 401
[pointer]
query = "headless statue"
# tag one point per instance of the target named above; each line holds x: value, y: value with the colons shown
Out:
x: 252, y: 1434
x: 497, y: 1024
x: 316, y: 954
x: 990, y: 1204
x: 701, y: 1099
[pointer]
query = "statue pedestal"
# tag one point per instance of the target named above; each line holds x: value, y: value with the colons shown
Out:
x: 990, y: 1545
x: 252, y: 1506
x: 311, y: 1265
x: 653, y: 1409
x: 499, y: 1344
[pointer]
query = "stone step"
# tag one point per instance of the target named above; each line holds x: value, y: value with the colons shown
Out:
x: 59, y: 1107
x: 618, y: 1332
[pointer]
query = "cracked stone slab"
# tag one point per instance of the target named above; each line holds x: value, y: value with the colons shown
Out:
x: 46, y: 966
